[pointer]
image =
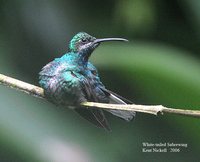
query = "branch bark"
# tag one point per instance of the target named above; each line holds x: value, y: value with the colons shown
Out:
x: 152, y: 109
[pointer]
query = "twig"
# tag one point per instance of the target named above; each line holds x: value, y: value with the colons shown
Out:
x: 22, y: 86
x: 153, y: 109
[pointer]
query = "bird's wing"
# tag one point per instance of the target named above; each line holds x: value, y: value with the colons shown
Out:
x: 116, y: 99
x: 94, y: 115
x: 113, y: 98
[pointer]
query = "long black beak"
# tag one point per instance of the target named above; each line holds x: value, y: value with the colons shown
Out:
x: 109, y: 39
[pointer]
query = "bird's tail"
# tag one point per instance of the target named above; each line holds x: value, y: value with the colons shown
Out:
x: 116, y: 99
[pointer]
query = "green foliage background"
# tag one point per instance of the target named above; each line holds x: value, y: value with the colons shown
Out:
x: 160, y: 65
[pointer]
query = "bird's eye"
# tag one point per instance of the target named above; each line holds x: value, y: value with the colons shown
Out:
x: 83, y: 40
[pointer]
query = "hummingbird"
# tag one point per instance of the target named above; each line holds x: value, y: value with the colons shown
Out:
x: 72, y: 79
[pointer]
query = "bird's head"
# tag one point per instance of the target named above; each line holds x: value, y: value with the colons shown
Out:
x: 85, y: 43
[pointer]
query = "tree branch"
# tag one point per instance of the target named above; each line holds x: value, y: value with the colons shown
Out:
x: 22, y: 86
x: 152, y: 109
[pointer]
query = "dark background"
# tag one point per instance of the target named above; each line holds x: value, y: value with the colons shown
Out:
x: 159, y: 65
